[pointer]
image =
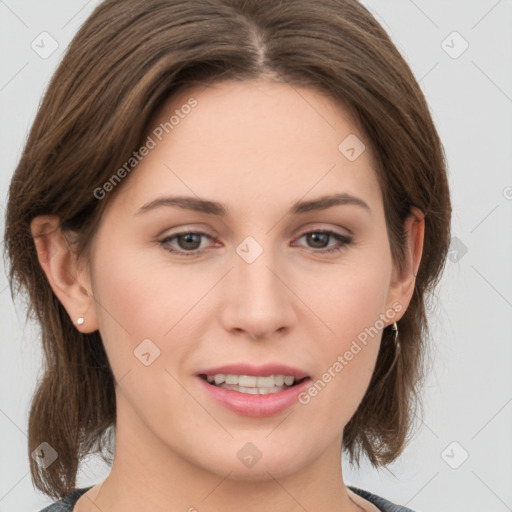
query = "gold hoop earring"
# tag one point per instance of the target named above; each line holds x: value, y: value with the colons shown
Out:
x: 398, y: 349
x: 394, y: 328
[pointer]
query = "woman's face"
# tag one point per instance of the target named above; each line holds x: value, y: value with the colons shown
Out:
x: 256, y: 286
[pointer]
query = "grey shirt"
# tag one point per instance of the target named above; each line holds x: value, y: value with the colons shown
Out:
x: 67, y: 503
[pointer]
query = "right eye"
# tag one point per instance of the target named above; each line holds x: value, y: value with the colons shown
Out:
x: 190, y: 240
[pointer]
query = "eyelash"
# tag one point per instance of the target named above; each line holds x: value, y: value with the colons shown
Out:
x: 345, y: 240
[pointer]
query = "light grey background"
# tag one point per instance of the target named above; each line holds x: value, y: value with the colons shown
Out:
x: 468, y: 396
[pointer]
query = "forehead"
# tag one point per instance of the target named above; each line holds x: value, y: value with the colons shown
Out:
x: 252, y: 140
x: 259, y: 106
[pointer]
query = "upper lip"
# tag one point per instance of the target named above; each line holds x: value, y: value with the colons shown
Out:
x: 258, y: 371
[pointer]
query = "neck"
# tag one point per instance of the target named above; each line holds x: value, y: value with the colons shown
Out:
x: 149, y: 475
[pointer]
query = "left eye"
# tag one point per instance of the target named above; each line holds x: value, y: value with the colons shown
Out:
x: 189, y: 241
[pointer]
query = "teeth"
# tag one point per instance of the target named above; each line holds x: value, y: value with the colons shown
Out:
x: 219, y: 379
x: 231, y: 379
x: 251, y: 381
x: 253, y: 391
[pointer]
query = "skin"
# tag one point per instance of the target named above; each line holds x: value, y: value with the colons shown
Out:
x: 258, y: 147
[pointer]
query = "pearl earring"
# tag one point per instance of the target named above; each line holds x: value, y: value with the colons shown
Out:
x: 80, y: 321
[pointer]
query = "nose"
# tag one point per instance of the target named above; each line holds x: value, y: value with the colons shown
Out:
x: 258, y: 299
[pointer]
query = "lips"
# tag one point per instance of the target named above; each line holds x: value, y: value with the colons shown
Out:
x: 255, y: 405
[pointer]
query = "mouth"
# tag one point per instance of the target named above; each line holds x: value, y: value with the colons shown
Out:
x: 251, y: 384
x: 265, y: 394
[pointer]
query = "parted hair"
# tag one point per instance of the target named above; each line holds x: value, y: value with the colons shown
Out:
x: 123, y: 64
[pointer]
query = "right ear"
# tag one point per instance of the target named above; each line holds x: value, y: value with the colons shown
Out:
x: 70, y: 283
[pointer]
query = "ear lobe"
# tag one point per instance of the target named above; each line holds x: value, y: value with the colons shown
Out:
x: 402, y: 286
x: 70, y: 284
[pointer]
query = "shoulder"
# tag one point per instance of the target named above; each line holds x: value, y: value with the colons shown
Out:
x: 382, y: 504
x: 67, y: 503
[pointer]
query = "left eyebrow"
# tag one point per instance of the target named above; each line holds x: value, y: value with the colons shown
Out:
x: 215, y: 208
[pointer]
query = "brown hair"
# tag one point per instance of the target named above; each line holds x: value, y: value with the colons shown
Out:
x: 124, y: 62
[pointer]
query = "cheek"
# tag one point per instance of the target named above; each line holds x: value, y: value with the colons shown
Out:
x: 125, y: 304
x: 140, y: 299
x: 350, y: 304
x: 137, y: 295
x: 347, y: 296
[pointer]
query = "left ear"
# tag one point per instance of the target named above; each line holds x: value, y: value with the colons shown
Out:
x: 402, y: 284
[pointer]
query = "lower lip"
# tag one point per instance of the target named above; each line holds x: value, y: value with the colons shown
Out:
x: 256, y: 405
